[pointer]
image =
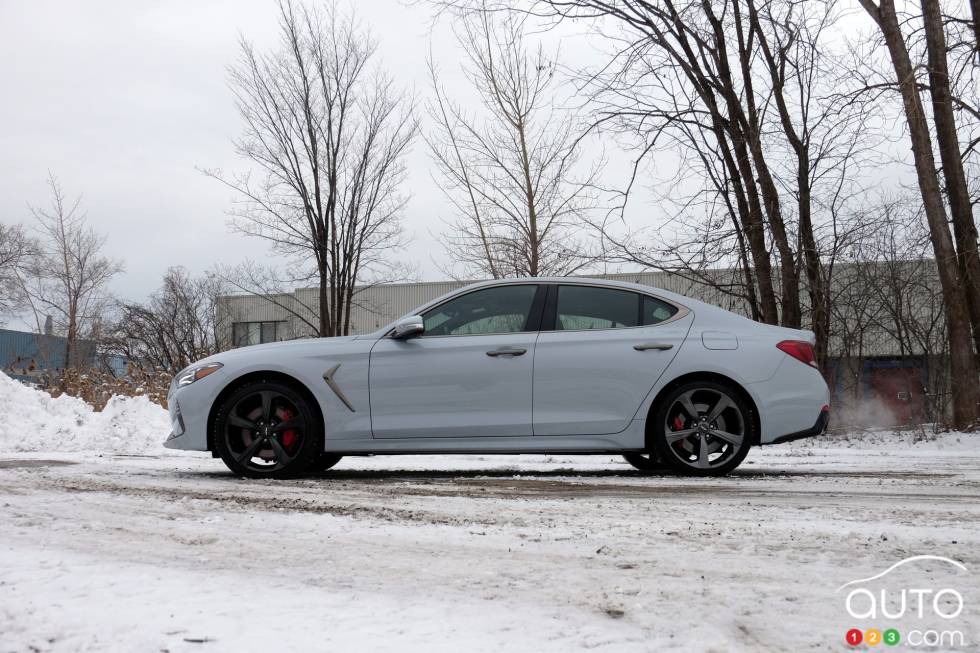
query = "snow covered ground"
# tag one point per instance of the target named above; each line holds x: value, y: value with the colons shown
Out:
x: 101, y: 549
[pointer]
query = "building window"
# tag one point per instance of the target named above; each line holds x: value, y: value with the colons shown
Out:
x: 254, y: 333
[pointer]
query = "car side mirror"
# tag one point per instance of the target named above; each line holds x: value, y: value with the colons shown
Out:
x: 408, y: 327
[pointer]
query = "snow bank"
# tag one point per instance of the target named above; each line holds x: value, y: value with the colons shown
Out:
x: 916, y: 439
x: 33, y: 420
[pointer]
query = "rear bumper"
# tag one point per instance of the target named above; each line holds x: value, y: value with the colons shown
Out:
x: 817, y: 429
x: 789, y: 401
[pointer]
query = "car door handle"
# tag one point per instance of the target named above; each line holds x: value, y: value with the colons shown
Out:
x: 507, y: 351
x: 663, y: 346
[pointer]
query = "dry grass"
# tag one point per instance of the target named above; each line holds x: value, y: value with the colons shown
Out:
x: 96, y: 387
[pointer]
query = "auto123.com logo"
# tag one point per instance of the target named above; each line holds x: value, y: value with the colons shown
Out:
x: 899, y: 607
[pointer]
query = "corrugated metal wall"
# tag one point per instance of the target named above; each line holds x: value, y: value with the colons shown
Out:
x: 376, y: 306
x: 20, y: 350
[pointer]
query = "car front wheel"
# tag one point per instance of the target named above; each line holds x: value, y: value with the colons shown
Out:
x: 703, y: 428
x: 266, y: 429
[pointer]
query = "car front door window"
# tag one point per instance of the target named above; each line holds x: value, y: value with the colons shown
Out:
x: 504, y: 309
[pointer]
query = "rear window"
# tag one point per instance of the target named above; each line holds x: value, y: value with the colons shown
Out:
x: 656, y: 311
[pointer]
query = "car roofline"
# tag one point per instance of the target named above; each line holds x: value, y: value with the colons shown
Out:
x: 683, y: 301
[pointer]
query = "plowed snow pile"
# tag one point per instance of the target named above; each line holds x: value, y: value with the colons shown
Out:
x: 32, y: 420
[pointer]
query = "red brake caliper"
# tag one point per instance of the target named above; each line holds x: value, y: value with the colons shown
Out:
x: 678, y: 423
x: 289, y: 437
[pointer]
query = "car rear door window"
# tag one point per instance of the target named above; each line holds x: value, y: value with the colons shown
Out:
x: 586, y: 307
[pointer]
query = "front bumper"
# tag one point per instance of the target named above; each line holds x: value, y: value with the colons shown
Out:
x: 189, y: 409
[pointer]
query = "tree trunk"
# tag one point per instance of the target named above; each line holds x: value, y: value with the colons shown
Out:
x: 963, y: 367
x: 964, y: 230
x: 813, y: 266
x: 750, y: 230
x: 820, y: 314
x: 975, y: 12
x: 70, y: 337
x: 324, y: 302
x: 789, y: 277
x: 69, y: 352
x: 732, y: 142
x: 534, y: 241
x: 740, y: 169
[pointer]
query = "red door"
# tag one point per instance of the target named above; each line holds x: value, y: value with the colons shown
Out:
x: 898, y: 391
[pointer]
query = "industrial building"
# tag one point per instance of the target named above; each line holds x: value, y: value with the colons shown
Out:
x: 29, y: 356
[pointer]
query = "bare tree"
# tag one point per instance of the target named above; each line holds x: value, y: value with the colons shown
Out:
x: 791, y: 44
x: 740, y: 91
x: 327, y: 132
x: 963, y: 363
x: 16, y: 250
x: 174, y: 327
x: 68, y: 277
x: 511, y: 171
x: 954, y: 174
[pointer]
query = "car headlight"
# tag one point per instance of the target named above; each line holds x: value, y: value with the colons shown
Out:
x: 192, y: 374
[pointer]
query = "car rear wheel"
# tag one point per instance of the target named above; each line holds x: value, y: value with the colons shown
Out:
x: 267, y: 429
x: 703, y: 428
x: 645, y: 462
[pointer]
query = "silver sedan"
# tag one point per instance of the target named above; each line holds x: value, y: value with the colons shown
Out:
x: 518, y: 366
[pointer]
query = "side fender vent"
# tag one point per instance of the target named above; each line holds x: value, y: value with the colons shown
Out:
x: 328, y: 377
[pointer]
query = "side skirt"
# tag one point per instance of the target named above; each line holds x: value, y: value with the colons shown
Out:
x: 632, y: 439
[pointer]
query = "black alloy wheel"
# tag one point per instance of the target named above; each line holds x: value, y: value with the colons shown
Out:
x: 266, y: 429
x: 703, y: 429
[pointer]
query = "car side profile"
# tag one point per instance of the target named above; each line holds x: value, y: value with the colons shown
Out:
x: 536, y: 365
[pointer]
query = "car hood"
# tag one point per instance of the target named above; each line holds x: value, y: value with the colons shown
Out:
x: 287, y: 345
x: 273, y: 348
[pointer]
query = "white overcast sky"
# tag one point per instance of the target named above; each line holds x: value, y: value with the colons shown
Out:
x: 124, y: 99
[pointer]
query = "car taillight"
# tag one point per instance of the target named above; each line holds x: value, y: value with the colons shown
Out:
x: 801, y: 350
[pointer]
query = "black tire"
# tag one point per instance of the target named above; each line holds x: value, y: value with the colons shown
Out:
x: 249, y: 434
x: 324, y: 461
x: 713, y: 441
x: 645, y: 462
